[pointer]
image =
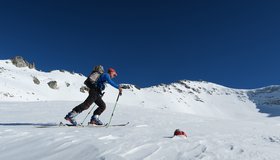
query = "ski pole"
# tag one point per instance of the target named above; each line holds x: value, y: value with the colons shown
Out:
x: 108, y: 124
x: 91, y: 109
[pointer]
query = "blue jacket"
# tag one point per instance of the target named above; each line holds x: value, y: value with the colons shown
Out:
x: 105, y: 78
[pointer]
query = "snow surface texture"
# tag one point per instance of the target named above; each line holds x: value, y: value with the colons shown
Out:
x: 221, y: 123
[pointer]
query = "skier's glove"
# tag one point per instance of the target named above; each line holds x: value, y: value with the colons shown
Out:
x: 120, y: 91
x: 125, y: 86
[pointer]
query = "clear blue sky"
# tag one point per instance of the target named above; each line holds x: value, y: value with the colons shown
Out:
x: 232, y: 43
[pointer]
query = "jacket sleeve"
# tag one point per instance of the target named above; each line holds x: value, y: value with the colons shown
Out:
x: 111, y: 82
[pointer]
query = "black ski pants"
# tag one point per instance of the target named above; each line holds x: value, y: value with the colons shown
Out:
x: 94, y: 96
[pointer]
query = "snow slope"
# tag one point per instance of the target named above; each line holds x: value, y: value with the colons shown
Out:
x: 146, y: 137
x: 17, y: 84
x: 221, y: 123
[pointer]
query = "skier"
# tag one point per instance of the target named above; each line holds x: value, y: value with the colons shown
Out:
x: 95, y: 95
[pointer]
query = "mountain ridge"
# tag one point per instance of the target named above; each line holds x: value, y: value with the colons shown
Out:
x: 194, y: 97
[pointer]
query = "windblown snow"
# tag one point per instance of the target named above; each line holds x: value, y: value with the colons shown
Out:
x: 221, y: 122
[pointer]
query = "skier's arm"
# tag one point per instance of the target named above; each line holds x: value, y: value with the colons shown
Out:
x: 111, y: 82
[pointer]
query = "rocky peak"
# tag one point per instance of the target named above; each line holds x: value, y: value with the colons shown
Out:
x: 18, y: 61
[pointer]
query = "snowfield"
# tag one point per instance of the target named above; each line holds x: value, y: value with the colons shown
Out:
x: 221, y: 123
x: 146, y: 137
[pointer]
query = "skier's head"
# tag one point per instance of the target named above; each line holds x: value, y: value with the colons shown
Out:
x: 112, y: 72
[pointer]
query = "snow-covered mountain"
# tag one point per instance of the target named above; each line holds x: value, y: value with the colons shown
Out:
x: 195, y: 97
x: 25, y: 84
x: 221, y: 123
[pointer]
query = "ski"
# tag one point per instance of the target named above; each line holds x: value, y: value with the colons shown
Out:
x: 106, y: 125
x: 115, y: 125
x: 61, y: 124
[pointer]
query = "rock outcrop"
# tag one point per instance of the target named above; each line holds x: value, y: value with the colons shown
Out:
x: 18, y: 61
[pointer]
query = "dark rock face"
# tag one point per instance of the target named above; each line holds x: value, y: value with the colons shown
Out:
x: 53, y: 85
x: 36, y: 80
x: 18, y: 61
x: 84, y: 89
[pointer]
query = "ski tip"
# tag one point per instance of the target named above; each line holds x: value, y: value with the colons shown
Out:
x: 113, y: 125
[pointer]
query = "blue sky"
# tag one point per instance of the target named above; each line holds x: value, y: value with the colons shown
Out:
x: 232, y: 43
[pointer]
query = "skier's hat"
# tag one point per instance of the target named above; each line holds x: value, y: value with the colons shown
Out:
x: 112, y: 70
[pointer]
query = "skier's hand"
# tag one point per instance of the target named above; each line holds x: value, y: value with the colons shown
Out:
x: 120, y: 91
x: 125, y: 87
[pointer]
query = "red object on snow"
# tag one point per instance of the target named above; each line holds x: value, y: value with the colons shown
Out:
x: 178, y: 132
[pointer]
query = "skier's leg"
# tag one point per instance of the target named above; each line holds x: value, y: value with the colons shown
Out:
x: 86, y: 104
x: 81, y: 107
x: 101, y: 107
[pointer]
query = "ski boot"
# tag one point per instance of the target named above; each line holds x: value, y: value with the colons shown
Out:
x: 71, y: 117
x: 95, y: 120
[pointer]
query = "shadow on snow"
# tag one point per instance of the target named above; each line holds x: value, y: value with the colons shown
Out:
x: 267, y: 100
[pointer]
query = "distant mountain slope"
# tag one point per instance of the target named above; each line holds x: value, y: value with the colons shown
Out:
x: 25, y: 83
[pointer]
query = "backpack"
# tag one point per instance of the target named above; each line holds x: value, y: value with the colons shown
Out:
x: 91, y: 80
